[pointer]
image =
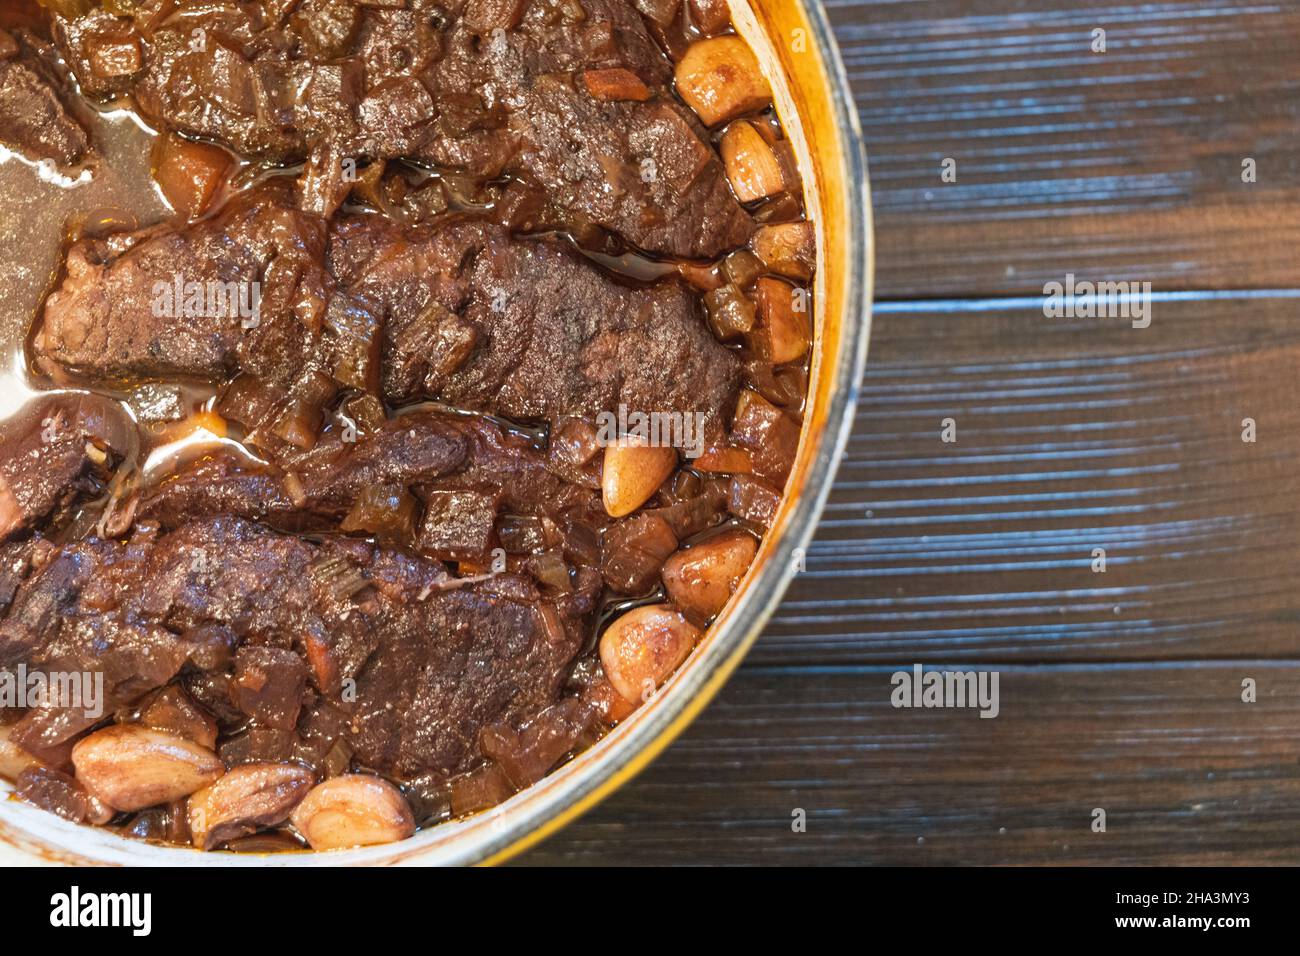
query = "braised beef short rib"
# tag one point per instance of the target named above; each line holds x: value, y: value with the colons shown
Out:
x: 433, y: 659
x: 523, y: 328
x: 35, y: 118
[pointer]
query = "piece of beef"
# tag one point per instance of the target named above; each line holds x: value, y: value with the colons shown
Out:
x: 433, y: 659
x: 64, y: 619
x: 55, y: 452
x: 35, y: 118
x: 458, y: 524
x: 513, y: 100
x: 411, y: 451
x: 553, y: 336
x: 526, y: 329
x: 244, y: 290
x: 34, y: 610
x: 507, y: 464
x: 491, y: 657
x: 125, y: 610
x: 493, y: 489
x: 223, y: 483
x: 191, y: 70
x: 445, y: 459
x: 81, y: 41
x: 268, y: 685
x: 16, y: 560
x: 527, y: 754
x: 466, y: 86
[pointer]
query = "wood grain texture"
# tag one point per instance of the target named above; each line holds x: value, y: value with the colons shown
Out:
x: 1186, y: 772
x: 1071, y: 435
x: 1124, y: 164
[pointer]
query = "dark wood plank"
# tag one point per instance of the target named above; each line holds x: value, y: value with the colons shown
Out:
x: 1125, y: 164
x: 1186, y: 772
x: 1071, y: 435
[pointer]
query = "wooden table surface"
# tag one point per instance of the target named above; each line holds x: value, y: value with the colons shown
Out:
x: 1119, y: 690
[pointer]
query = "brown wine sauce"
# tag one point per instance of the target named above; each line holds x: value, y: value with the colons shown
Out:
x: 42, y: 212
